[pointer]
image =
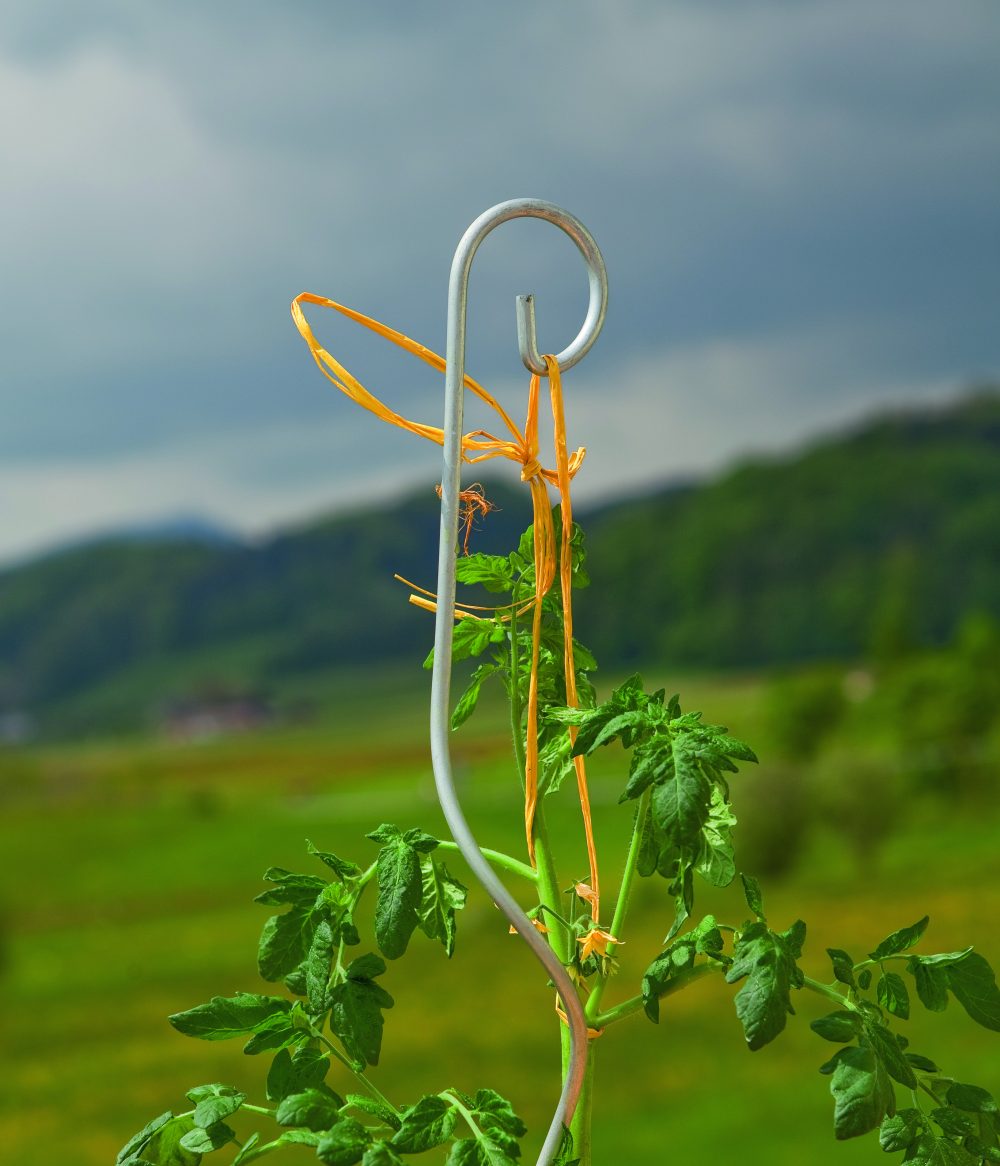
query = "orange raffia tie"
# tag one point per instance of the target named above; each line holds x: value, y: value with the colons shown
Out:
x: 478, y: 446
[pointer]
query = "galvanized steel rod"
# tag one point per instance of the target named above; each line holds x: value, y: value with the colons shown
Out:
x: 444, y: 622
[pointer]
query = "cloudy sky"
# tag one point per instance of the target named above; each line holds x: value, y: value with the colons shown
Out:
x: 798, y: 203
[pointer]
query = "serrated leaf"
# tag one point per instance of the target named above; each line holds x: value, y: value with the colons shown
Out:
x: 767, y: 960
x: 953, y: 1122
x: 315, y: 1109
x: 678, y: 957
x: 843, y: 966
x: 204, y: 1141
x: 900, y: 940
x: 681, y: 798
x: 224, y: 1017
x: 862, y: 1092
x: 214, y: 1103
x: 715, y: 862
x: 371, y: 1105
x: 344, y: 1144
x: 885, y: 1047
x: 318, y: 966
x: 467, y: 702
x: 278, y: 1032
x: 246, y: 1150
x: 284, y: 942
x: 495, y: 1114
x: 974, y: 986
x: 381, y: 1154
x: 426, y: 1124
x: 441, y: 897
x: 494, y: 572
x: 290, y: 1073
x: 399, y: 892
x: 929, y: 1150
x: 840, y: 1027
x: 892, y: 995
x: 166, y: 1148
x: 356, y: 1007
x: 931, y: 984
x: 137, y: 1141
x: 294, y: 889
x: 752, y: 893
x: 901, y: 1130
x: 971, y: 1098
x: 340, y: 866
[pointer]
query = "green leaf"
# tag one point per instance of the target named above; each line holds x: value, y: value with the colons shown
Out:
x: 477, y: 1152
x: 974, y: 986
x: 931, y: 984
x: 166, y: 1148
x: 426, y: 1124
x: 316, y: 1109
x: 381, y: 1154
x: 676, y: 958
x: 246, y: 1150
x: 953, y: 1122
x: 137, y: 1141
x: 356, y: 1007
x: 284, y: 942
x: 865, y: 979
x: 400, y: 889
x: 340, y: 866
x: 922, y: 1064
x: 495, y: 1115
x: 754, y: 898
x: 886, y: 1048
x: 840, y: 1027
x: 295, y: 889
x: 228, y: 1016
x: 768, y: 960
x: 371, y: 1105
x: 862, y: 1092
x: 494, y: 572
x: 929, y: 1150
x: 901, y: 1130
x: 715, y: 861
x: 295, y: 1073
x: 344, y: 1144
x: 470, y: 698
x: 971, y: 1098
x: 204, y: 1141
x: 318, y: 965
x: 843, y: 966
x: 440, y: 898
x: 564, y: 1153
x: 893, y: 996
x: 278, y: 1032
x: 900, y: 940
x: 214, y: 1103
x: 681, y: 798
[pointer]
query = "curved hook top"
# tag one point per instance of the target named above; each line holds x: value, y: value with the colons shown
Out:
x: 536, y: 208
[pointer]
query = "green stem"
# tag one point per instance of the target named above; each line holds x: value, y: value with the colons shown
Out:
x: 830, y: 992
x: 637, y: 1003
x: 624, y: 894
x: 369, y: 1085
x: 367, y: 877
x: 501, y: 860
x: 257, y: 1109
x: 467, y: 1117
x: 580, y: 1126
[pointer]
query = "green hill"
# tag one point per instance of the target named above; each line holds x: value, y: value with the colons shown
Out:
x: 870, y: 541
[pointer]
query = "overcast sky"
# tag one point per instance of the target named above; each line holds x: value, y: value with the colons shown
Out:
x: 798, y: 203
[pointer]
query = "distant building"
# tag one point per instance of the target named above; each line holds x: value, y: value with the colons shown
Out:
x: 215, y: 715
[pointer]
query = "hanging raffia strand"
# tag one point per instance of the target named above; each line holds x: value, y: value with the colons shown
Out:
x: 478, y: 446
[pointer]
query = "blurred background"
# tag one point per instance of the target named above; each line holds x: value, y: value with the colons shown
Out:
x: 792, y: 495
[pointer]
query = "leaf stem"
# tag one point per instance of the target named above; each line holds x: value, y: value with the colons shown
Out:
x: 624, y: 894
x: 467, y: 1117
x: 499, y: 859
x: 637, y: 1003
x: 369, y: 1085
x: 257, y: 1109
x: 830, y: 992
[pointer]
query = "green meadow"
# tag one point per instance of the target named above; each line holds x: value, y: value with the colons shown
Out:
x: 129, y: 872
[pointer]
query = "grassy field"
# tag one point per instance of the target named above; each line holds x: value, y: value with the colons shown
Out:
x: 130, y: 869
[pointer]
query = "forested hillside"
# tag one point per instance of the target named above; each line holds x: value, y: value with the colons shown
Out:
x: 865, y: 543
